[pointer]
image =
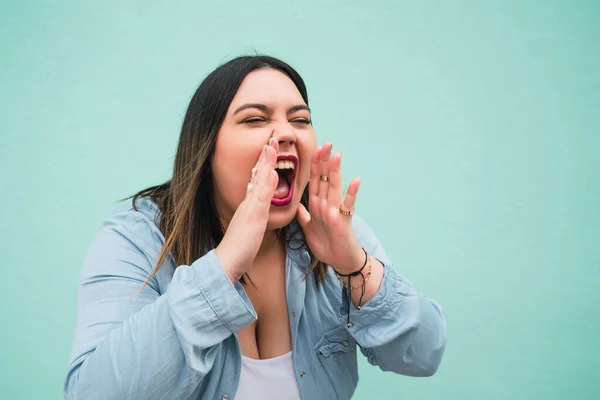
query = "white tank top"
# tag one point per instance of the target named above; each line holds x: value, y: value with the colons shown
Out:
x: 273, y: 378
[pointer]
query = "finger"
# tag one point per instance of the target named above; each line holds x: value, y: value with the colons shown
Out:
x: 269, y: 187
x: 275, y: 144
x: 303, y: 216
x: 266, y: 166
x: 270, y: 183
x: 324, y: 165
x: 313, y: 186
x: 264, y: 155
x: 261, y: 196
x: 269, y: 164
x: 334, y: 197
x: 350, y: 199
x: 259, y: 163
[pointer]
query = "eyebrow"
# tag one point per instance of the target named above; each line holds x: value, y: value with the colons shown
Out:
x: 266, y: 109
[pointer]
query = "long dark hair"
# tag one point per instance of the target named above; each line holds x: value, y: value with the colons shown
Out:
x: 188, y: 216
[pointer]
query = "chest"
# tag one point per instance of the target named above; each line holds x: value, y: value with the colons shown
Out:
x: 324, y: 353
x: 269, y: 336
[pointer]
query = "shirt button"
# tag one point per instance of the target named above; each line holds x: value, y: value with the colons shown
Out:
x: 293, y: 314
x: 224, y: 397
x: 302, y: 374
x: 345, y: 343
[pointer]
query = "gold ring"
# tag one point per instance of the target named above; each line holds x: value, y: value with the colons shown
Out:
x: 345, y: 212
x: 324, y: 178
x: 251, y: 181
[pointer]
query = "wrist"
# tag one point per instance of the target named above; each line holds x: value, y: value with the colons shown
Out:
x: 228, y: 265
x: 355, y: 261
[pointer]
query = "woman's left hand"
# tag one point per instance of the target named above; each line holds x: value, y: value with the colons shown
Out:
x: 328, y: 232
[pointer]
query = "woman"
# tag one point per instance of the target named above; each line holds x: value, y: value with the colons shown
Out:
x: 246, y: 275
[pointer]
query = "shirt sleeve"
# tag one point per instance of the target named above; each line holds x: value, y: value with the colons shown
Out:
x: 148, y: 345
x: 399, y: 329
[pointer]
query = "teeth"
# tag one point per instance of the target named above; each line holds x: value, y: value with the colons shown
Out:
x: 285, y: 165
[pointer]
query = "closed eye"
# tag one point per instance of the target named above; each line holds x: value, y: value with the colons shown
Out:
x: 302, y: 121
x: 253, y: 120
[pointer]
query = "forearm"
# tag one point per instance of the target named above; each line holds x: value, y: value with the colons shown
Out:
x: 400, y: 329
x: 125, y: 362
x: 419, y: 350
x: 397, y: 328
x: 165, y: 348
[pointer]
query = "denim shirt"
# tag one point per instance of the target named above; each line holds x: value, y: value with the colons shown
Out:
x: 177, y: 338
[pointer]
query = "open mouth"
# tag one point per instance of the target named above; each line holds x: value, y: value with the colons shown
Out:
x: 286, y: 169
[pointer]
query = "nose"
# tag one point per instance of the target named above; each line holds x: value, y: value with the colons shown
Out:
x: 284, y: 134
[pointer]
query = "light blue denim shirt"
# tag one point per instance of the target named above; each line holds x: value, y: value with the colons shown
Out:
x: 177, y: 338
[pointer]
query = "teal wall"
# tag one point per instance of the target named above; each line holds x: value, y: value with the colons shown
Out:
x: 474, y: 126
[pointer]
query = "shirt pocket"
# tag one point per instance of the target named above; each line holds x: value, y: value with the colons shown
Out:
x: 336, y: 350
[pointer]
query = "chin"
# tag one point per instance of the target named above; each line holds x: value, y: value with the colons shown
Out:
x: 280, y: 217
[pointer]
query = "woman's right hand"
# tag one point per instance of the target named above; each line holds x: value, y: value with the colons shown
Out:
x: 246, y: 230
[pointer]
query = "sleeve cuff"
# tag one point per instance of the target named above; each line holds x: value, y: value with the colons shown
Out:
x: 393, y: 311
x: 229, y: 302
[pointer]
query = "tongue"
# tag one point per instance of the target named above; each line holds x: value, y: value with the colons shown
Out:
x: 283, y: 188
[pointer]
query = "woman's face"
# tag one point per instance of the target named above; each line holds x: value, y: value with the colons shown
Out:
x: 266, y: 105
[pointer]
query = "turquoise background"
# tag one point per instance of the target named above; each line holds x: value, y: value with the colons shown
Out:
x: 474, y: 126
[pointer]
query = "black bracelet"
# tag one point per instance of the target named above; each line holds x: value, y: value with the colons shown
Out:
x: 349, y: 285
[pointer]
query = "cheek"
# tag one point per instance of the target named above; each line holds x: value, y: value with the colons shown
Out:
x: 306, y: 149
x: 222, y: 158
x: 227, y: 175
x: 232, y: 166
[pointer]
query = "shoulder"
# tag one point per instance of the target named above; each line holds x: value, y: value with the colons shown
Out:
x: 127, y: 245
x: 137, y: 225
x: 145, y: 210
